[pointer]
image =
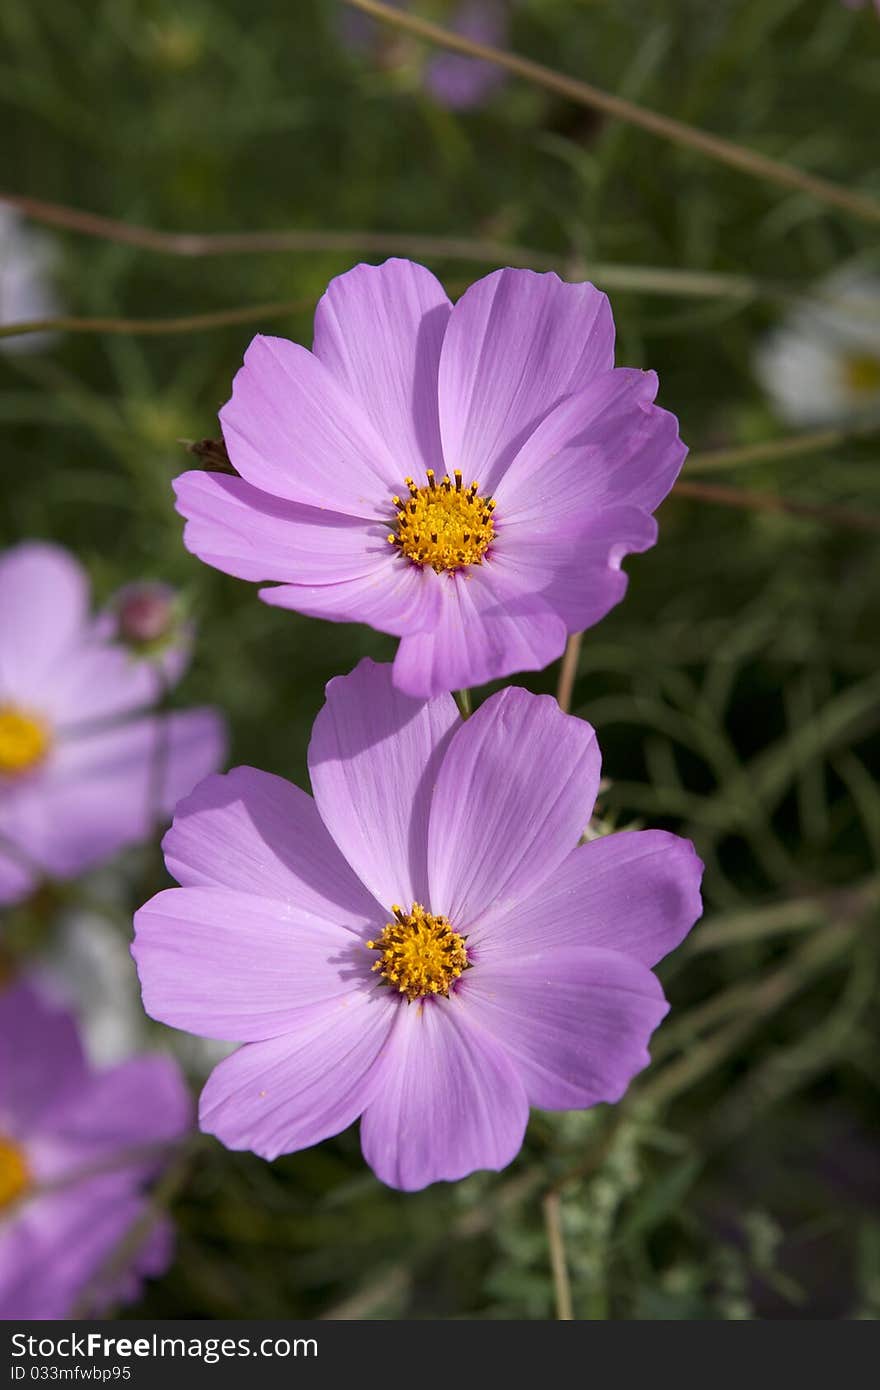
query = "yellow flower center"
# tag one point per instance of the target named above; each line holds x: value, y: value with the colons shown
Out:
x: 15, y: 1175
x: 420, y: 953
x: 443, y: 525
x: 24, y: 740
x: 862, y: 373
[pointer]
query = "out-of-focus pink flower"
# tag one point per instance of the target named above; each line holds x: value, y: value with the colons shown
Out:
x: 84, y: 768
x: 78, y: 1149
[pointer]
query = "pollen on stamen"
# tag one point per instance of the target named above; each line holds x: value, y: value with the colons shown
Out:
x: 443, y: 525
x: 15, y: 1175
x: 24, y: 740
x: 420, y: 953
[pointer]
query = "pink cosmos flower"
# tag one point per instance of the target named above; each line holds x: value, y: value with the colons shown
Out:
x: 74, y: 1166
x: 467, y: 479
x: 148, y: 618
x: 83, y: 769
x: 426, y: 944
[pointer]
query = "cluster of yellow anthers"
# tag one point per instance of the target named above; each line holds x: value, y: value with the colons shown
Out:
x: 14, y: 1174
x: 443, y: 525
x: 421, y: 954
x: 24, y: 740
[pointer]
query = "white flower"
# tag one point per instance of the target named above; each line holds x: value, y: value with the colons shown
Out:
x: 88, y: 968
x: 823, y: 364
x: 27, y: 257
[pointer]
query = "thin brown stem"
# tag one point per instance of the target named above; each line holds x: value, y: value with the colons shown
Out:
x: 195, y: 244
x: 473, y: 1222
x: 585, y: 94
x: 662, y: 280
x: 739, y: 1010
x: 192, y: 323
x: 793, y: 446
x: 827, y: 513
x: 568, y: 671
x: 558, y: 1263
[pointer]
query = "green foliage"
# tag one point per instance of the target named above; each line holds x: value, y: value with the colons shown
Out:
x: 736, y: 691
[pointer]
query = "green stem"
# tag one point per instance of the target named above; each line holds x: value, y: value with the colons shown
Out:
x: 463, y: 700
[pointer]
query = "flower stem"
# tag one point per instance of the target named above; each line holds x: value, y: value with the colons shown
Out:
x: 829, y: 514
x: 568, y: 671
x: 191, y: 323
x: 740, y: 157
x: 463, y: 700
x: 558, y: 1263
x: 790, y: 446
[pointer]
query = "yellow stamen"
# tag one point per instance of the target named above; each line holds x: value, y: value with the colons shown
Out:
x: 15, y: 1177
x: 862, y: 373
x: 421, y: 954
x: 443, y: 525
x: 24, y: 740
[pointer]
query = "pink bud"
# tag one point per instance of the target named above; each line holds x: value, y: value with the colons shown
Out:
x: 145, y: 614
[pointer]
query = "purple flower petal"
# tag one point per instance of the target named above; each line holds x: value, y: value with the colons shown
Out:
x: 115, y: 1103
x: 606, y: 446
x: 287, y: 1093
x: 108, y: 1116
x: 99, y: 793
x: 62, y: 1248
x: 44, y: 597
x: 41, y: 1060
x: 516, y: 344
x: 248, y: 533
x: 233, y: 966
x: 294, y: 432
x: 95, y: 681
x: 379, y: 330
x: 373, y: 760
x: 17, y: 880
x: 259, y: 834
x: 637, y: 892
x: 577, y: 576
x: 155, y: 1251
x: 575, y: 1023
x: 447, y: 1100
x: 53, y: 1255
x: 490, y: 624
x: 399, y: 598
x: 513, y: 796
x: 458, y: 82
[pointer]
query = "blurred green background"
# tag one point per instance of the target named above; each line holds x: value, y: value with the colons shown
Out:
x: 735, y: 691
